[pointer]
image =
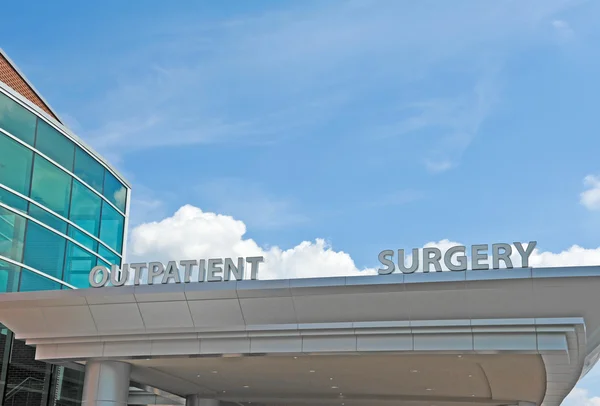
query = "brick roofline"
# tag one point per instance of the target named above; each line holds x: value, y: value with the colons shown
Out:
x: 15, y: 79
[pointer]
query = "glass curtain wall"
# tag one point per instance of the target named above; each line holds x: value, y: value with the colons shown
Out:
x: 62, y: 212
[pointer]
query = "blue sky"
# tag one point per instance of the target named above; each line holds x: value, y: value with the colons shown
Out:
x: 369, y: 124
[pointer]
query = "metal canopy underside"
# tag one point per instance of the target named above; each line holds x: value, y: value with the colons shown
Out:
x: 473, y: 338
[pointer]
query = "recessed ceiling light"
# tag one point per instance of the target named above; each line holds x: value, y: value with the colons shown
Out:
x: 224, y: 391
x: 334, y: 387
x: 213, y: 372
x: 472, y: 395
x: 470, y: 376
x: 198, y: 376
x: 331, y: 379
x: 295, y: 357
x: 428, y: 389
x: 311, y: 371
x: 460, y: 356
x: 414, y: 371
x: 246, y: 386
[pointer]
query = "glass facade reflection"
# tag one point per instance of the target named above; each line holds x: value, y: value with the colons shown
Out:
x: 62, y: 212
x: 54, y: 193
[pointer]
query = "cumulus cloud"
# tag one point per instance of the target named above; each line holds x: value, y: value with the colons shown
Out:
x: 574, y: 256
x: 590, y: 198
x: 191, y: 233
x: 581, y: 397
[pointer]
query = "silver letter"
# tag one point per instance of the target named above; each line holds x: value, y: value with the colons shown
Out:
x: 525, y: 254
x: 435, y: 260
x: 254, y: 261
x: 154, y: 269
x: 462, y: 259
x: 137, y: 267
x: 171, y: 272
x: 505, y: 256
x: 202, y: 270
x: 238, y: 272
x: 415, y: 261
x: 214, y: 269
x: 188, y: 266
x: 477, y: 256
x: 387, y: 262
x: 93, y: 277
x: 115, y: 273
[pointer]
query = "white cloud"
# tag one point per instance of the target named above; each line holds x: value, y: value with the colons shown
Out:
x: 251, y: 203
x: 438, y: 166
x: 282, y: 74
x: 563, y: 29
x: 581, y: 397
x: 452, y: 123
x: 145, y: 205
x: 194, y: 234
x: 590, y: 198
x: 574, y: 256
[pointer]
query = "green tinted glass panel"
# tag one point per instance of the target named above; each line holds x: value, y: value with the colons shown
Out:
x: 83, y: 238
x: 47, y: 218
x: 12, y: 232
x: 44, y: 250
x: 17, y: 120
x: 55, y: 145
x: 78, y: 266
x: 88, y: 169
x: 51, y: 186
x: 111, y: 228
x: 9, y: 277
x: 114, y: 191
x: 15, y: 165
x: 85, y: 208
x: 110, y: 256
x: 31, y: 281
x: 103, y: 263
x: 13, y: 200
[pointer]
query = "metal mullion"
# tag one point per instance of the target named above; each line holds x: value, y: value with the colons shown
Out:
x: 49, y: 374
x: 4, y: 366
x: 66, y: 220
x: 59, y: 166
x: 35, y: 271
x: 66, y: 252
x: 27, y: 216
x: 16, y: 97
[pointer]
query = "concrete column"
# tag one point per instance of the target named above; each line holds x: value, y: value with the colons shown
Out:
x: 106, y: 383
x: 196, y: 400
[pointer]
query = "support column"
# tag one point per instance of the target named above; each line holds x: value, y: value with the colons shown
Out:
x: 106, y: 383
x: 196, y: 400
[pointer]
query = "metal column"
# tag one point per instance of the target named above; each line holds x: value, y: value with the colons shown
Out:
x: 106, y: 383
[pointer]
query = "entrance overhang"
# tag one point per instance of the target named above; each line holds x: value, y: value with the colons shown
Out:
x: 477, y: 338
